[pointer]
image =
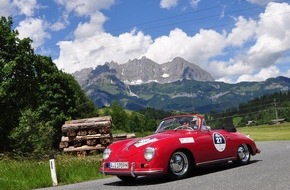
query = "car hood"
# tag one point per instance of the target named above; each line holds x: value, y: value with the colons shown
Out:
x: 133, y: 146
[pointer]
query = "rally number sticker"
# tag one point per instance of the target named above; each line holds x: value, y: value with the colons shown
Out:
x: 186, y: 140
x: 219, y: 142
x: 145, y: 141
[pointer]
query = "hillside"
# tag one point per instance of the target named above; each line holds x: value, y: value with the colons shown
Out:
x: 188, y: 88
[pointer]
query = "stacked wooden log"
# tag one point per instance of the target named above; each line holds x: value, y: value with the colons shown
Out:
x: 88, y: 135
x: 85, y: 135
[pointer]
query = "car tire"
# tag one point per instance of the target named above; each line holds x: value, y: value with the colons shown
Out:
x: 243, y: 155
x: 127, y: 178
x: 180, y: 165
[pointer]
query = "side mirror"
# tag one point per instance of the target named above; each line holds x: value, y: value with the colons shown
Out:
x: 205, y: 128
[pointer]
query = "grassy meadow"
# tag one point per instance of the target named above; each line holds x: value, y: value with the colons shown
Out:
x: 275, y: 132
x: 23, y: 174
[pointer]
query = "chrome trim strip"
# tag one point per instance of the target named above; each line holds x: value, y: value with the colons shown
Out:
x: 136, y: 173
x: 215, y: 161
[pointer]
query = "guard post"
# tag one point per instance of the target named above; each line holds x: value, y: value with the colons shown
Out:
x: 52, y: 169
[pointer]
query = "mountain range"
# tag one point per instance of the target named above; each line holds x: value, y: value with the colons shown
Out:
x: 175, y: 85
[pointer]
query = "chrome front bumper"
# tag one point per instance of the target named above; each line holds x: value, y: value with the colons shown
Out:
x: 132, y: 172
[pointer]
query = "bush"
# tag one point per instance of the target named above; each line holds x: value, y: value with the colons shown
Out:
x: 32, y: 136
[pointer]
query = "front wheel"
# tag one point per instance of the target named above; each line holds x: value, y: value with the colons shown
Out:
x: 243, y: 154
x: 180, y: 165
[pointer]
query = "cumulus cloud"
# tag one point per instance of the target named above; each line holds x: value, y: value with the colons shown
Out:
x: 26, y: 7
x: 5, y: 8
x: 18, y: 7
x: 242, y: 32
x: 288, y: 73
x: 271, y: 40
x: 255, y: 46
x: 35, y: 30
x: 93, y: 27
x: 198, y: 48
x: 96, y: 50
x: 85, y: 8
x: 57, y: 26
x: 261, y: 75
x: 194, y: 3
x: 167, y: 4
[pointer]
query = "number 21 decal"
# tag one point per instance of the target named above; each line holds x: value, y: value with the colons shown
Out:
x: 219, y: 142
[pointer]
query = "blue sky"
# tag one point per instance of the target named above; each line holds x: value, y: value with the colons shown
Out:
x: 238, y: 40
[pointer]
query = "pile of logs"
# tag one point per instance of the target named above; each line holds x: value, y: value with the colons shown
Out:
x: 87, y: 135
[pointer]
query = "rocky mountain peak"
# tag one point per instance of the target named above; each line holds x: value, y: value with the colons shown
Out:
x: 144, y: 70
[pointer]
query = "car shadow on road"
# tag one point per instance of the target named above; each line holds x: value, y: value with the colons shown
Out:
x: 199, y: 171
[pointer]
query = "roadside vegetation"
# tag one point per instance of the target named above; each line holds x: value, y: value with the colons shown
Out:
x: 22, y: 174
x: 16, y: 174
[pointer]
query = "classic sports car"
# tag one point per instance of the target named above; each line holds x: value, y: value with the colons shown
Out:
x: 179, y: 144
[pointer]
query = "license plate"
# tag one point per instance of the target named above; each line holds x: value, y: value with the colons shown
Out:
x: 119, y: 165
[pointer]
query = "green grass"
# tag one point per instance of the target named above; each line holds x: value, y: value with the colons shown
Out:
x: 267, y: 132
x: 15, y: 174
x: 30, y: 174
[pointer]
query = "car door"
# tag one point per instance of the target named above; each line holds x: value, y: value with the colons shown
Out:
x: 212, y: 145
x: 205, y: 149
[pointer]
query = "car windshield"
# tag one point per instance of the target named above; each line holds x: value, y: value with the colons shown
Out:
x: 179, y: 122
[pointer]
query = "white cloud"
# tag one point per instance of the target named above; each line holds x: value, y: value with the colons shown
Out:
x: 85, y: 8
x: 26, y: 7
x: 34, y: 29
x: 167, y: 4
x: 57, y: 26
x: 197, y: 49
x: 243, y: 31
x: 93, y: 27
x: 17, y: 7
x: 96, y: 50
x: 262, y: 75
x: 288, y: 73
x: 270, y: 37
x: 194, y: 3
x: 5, y: 8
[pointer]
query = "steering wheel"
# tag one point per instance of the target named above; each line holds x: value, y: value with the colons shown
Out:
x: 184, y: 127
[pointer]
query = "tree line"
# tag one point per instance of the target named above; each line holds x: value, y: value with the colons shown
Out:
x: 261, y: 110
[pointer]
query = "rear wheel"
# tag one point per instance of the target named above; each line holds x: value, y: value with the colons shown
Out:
x: 243, y: 154
x: 126, y: 178
x: 180, y: 165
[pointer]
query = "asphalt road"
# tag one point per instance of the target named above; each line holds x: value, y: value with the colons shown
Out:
x: 269, y: 170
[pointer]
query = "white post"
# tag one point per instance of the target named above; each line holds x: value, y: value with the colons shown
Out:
x: 52, y: 170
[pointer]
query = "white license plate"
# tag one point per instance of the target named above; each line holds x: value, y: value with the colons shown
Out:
x: 119, y: 165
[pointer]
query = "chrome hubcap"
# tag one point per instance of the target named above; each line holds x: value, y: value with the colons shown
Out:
x: 179, y: 163
x: 243, y: 153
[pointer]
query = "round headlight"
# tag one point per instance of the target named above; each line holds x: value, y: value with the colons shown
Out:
x: 149, y: 153
x: 106, y: 153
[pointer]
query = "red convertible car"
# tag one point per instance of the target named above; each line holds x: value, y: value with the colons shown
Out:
x: 179, y: 144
